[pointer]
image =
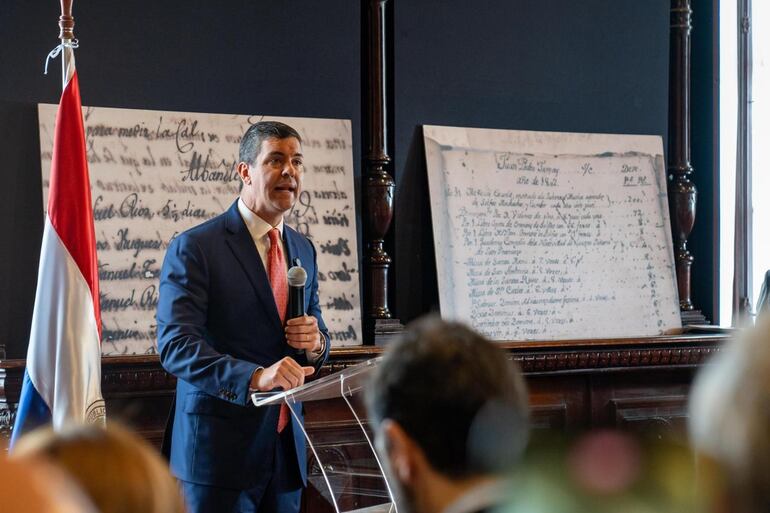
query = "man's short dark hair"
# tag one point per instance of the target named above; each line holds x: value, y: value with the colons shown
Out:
x: 258, y: 132
x: 456, y: 395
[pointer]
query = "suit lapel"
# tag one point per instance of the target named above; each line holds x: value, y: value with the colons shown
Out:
x: 290, y: 243
x: 242, y: 245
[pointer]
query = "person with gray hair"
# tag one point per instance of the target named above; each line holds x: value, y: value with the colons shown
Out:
x: 729, y: 423
x: 451, y: 418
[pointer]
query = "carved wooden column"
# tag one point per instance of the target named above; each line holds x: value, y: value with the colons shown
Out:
x: 681, y: 190
x: 66, y: 21
x: 379, y: 185
x: 10, y: 389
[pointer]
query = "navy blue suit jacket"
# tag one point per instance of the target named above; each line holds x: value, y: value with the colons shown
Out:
x: 217, y: 323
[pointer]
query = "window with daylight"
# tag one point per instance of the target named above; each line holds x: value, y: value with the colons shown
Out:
x: 732, y: 24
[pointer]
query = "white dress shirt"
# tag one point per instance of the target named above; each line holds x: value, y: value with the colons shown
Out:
x: 258, y: 229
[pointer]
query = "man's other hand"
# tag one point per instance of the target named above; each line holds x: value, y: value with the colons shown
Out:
x: 302, y: 333
x: 285, y: 374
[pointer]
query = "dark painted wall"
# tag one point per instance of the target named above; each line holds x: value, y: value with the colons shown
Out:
x: 593, y: 66
x: 704, y: 240
x: 557, y: 65
x: 21, y: 222
x: 287, y: 58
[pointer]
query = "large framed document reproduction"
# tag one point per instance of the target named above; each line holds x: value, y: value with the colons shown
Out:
x: 155, y: 174
x: 547, y: 235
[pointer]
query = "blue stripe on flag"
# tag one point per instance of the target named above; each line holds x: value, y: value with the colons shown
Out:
x: 32, y: 411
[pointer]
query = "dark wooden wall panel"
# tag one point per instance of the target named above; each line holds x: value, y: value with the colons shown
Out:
x: 639, y: 385
x: 558, y: 402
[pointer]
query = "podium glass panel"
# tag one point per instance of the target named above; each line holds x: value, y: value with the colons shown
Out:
x: 343, y: 467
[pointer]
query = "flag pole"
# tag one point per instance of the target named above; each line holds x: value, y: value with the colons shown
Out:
x: 67, y: 36
x: 62, y: 380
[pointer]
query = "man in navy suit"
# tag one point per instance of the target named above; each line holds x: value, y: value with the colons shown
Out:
x: 221, y: 333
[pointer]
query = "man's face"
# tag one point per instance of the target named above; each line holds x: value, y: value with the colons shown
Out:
x: 273, y: 183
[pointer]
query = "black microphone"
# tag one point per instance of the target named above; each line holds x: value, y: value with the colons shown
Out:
x: 297, y: 277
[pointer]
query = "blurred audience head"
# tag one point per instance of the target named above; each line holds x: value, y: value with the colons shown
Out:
x: 34, y: 486
x: 730, y: 422
x: 450, y: 411
x: 605, y: 471
x: 117, y: 469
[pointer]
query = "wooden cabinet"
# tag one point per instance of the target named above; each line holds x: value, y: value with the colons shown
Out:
x: 635, y: 384
x: 631, y: 384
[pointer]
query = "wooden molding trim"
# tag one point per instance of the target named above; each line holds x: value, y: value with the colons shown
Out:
x: 553, y: 362
x: 144, y: 374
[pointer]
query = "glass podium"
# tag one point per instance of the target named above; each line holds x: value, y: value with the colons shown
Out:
x: 343, y: 467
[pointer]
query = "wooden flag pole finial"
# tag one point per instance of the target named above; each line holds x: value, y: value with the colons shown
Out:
x: 66, y: 21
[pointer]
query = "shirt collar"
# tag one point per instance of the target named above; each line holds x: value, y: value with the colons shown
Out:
x: 257, y: 226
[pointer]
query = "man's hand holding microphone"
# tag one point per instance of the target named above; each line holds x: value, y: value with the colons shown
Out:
x: 301, y: 333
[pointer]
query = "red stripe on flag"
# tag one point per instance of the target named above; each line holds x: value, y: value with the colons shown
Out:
x: 69, y: 197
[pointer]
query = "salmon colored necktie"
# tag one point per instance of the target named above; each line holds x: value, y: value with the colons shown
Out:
x: 276, y: 273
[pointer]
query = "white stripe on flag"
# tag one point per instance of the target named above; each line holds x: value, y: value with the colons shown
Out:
x: 64, y: 357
